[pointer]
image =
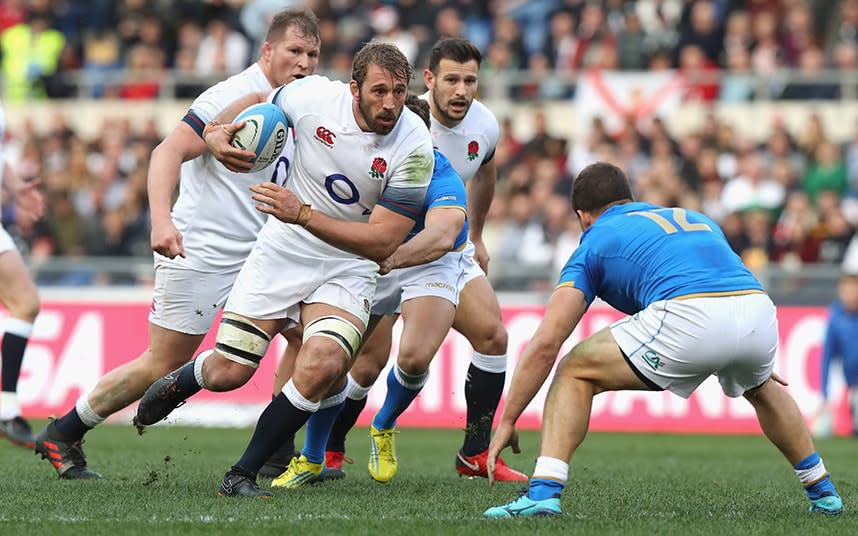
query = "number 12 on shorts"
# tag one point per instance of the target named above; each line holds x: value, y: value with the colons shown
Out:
x: 680, y: 220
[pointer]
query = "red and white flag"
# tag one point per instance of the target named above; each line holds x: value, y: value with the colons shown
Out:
x: 617, y: 96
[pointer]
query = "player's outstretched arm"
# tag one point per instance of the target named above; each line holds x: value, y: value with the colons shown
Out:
x: 481, y: 192
x: 181, y: 145
x: 442, y: 226
x: 376, y: 239
x: 565, y: 309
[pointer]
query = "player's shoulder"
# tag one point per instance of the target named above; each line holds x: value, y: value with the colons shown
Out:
x: 247, y: 81
x: 315, y: 90
x: 412, y: 132
x: 479, y: 116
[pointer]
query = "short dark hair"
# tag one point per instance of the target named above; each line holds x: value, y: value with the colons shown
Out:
x: 453, y: 48
x: 418, y: 106
x: 305, y: 21
x: 386, y: 56
x: 598, y: 185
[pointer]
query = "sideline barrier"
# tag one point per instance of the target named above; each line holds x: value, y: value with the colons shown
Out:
x: 80, y: 336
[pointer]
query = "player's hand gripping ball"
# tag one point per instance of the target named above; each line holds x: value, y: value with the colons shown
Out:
x: 264, y: 132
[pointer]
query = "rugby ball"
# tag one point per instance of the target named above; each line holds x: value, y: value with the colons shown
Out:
x: 264, y: 132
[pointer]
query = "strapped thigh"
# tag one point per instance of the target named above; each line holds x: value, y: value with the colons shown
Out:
x: 241, y: 341
x: 336, y: 328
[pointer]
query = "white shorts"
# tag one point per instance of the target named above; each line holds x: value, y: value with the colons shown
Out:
x: 279, y: 275
x: 186, y: 300
x: 388, y: 295
x: 677, y: 344
x: 472, y: 267
x: 442, y: 278
x: 6, y: 242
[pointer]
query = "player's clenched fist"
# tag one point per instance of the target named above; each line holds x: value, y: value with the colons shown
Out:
x: 166, y: 240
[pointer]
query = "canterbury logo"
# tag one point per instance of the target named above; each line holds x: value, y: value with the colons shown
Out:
x: 325, y: 136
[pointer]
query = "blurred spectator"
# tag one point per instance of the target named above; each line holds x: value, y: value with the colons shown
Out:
x: 543, y: 144
x: 758, y: 249
x: 826, y: 172
x: 12, y: 13
x: 700, y: 73
x: 31, y: 53
x: 593, y: 34
x: 222, y: 51
x: 560, y: 41
x: 794, y: 239
x: 839, y: 344
x: 144, y: 73
x: 834, y: 231
x: 851, y: 157
x: 766, y: 56
x: 737, y: 31
x: 703, y: 32
x: 100, y: 57
x: 809, y: 86
x: 384, y: 21
x: 845, y: 59
x: 846, y: 28
x: 780, y: 146
x: 507, y: 31
x: 737, y: 83
x: 255, y: 16
x: 631, y: 43
x: 798, y: 33
x: 752, y: 188
x: 520, y: 231
x: 812, y: 135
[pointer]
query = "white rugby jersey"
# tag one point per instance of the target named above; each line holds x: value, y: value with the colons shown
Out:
x: 214, y: 211
x: 341, y: 170
x: 469, y: 144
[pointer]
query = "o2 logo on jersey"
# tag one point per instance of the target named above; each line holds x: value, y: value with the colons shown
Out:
x: 325, y: 136
x: 336, y: 184
x: 284, y: 163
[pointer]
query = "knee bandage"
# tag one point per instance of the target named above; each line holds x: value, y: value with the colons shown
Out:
x: 241, y: 341
x: 337, y: 329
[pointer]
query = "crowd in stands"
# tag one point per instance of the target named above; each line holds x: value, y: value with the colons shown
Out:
x: 788, y: 199
x: 41, y: 41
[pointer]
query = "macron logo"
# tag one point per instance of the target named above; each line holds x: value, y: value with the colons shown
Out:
x: 325, y: 136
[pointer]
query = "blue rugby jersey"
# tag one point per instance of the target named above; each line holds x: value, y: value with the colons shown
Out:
x: 446, y: 189
x: 636, y: 253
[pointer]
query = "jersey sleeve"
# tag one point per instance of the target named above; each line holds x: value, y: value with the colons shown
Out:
x: 492, y: 132
x: 213, y: 100
x: 580, y: 272
x: 406, y: 189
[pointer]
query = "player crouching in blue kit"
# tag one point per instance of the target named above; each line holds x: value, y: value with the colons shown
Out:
x: 695, y: 309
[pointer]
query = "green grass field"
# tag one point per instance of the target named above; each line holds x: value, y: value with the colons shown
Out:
x: 165, y: 481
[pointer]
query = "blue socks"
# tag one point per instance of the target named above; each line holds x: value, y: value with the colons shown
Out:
x: 318, y: 429
x: 402, y: 389
x: 813, y: 476
x: 543, y: 488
